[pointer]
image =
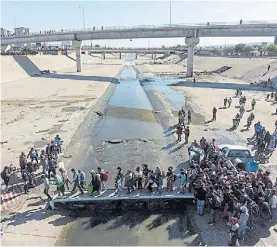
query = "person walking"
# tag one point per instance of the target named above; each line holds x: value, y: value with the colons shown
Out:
x: 253, y: 103
x: 187, y: 132
x: 214, y: 114
x: 52, y: 164
x: 179, y: 132
x: 6, y: 177
x: 96, y: 182
x: 233, y: 234
x: 65, y: 177
x: 43, y: 161
x: 138, y: 176
x: 129, y: 181
x: 151, y: 181
x: 201, y: 198
x: 214, y: 204
x: 170, y: 179
x: 225, y: 102
x: 243, y: 218
x: 46, y: 186
x: 59, y: 183
x: 159, y: 179
x: 82, y: 177
x: 32, y: 154
x: 145, y: 172
x: 229, y: 102
x: 76, y: 181
x: 189, y: 116
x: 181, y: 118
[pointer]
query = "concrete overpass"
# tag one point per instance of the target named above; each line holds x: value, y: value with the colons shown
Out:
x: 191, y: 32
x: 137, y: 51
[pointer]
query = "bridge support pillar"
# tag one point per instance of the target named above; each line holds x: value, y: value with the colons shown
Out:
x: 191, y: 43
x: 275, y: 40
x: 119, y: 55
x: 78, y: 44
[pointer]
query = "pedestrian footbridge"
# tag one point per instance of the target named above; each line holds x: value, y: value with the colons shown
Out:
x: 137, y: 200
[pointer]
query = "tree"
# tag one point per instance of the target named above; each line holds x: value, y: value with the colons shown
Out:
x: 228, y: 50
x: 271, y: 49
x: 240, y: 48
x: 248, y: 49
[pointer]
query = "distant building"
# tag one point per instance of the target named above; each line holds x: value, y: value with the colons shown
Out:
x: 204, y: 53
x: 5, y: 32
x: 20, y: 31
x: 66, y: 44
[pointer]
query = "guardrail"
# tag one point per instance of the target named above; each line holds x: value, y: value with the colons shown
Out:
x: 211, y: 24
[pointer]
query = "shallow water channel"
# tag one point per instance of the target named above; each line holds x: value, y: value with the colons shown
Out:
x: 128, y: 135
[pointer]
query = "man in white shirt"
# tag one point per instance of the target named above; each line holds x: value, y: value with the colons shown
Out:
x: 273, y: 205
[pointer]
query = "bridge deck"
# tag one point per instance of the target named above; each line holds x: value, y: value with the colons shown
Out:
x: 109, y: 195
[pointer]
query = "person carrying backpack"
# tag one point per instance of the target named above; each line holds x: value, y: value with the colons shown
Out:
x: 6, y: 177
x: 214, y: 203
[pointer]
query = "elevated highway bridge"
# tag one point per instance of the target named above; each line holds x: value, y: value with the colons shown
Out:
x: 191, y: 33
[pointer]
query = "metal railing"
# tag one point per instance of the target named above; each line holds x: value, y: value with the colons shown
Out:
x: 180, y: 25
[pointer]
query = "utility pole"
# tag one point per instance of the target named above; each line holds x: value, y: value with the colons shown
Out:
x: 170, y: 13
x: 14, y: 22
x: 84, y: 26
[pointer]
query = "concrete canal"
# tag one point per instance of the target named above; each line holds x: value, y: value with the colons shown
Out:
x: 128, y: 135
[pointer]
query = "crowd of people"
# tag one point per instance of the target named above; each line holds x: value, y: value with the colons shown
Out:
x: 30, y: 163
x: 238, y: 196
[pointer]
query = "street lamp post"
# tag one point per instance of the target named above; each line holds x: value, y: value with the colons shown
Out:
x: 84, y: 26
x: 170, y: 13
x: 14, y: 22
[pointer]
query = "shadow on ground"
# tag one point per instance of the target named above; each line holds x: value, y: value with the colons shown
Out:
x: 81, y: 77
x: 221, y: 85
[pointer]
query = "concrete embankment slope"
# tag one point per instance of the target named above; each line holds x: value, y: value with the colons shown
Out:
x: 52, y: 62
x: 25, y: 63
x: 246, y: 69
x: 11, y: 70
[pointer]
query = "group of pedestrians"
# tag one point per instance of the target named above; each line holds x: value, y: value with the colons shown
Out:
x: 61, y: 180
x: 145, y: 178
x: 181, y: 126
x: 241, y: 198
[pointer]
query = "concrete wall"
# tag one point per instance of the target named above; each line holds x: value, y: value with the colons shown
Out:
x: 246, y: 69
x: 26, y: 64
x: 11, y: 70
x: 52, y: 62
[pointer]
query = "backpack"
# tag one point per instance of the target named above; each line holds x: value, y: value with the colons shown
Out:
x: 215, y: 200
x: 3, y: 175
x: 105, y: 176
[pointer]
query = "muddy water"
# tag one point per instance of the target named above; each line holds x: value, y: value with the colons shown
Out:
x: 128, y: 135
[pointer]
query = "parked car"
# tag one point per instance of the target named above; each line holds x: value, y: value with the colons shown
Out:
x: 239, y: 156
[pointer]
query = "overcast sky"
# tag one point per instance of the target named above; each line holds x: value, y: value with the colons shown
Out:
x: 46, y: 15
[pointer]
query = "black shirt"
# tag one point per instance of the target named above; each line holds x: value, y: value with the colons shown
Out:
x: 201, y: 194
